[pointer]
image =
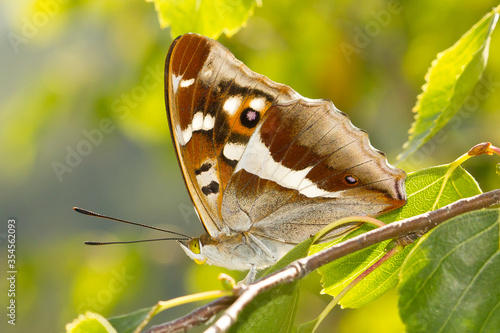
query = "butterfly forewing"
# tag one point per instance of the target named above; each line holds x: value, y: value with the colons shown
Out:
x: 214, y: 102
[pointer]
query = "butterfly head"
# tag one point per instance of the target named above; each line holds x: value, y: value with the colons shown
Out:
x: 194, y: 249
x: 207, y: 250
x: 234, y: 252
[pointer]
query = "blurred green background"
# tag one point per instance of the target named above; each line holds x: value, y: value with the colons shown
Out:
x: 86, y: 76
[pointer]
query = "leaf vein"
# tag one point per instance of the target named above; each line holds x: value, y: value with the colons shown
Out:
x: 464, y: 292
x: 428, y: 278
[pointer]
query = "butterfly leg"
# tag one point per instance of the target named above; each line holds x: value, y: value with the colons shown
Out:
x: 250, y: 278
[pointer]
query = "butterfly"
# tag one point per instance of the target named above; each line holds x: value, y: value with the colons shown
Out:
x: 265, y: 167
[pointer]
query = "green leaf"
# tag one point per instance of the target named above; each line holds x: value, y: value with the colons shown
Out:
x: 209, y: 18
x: 274, y: 310
x: 129, y: 322
x: 427, y: 189
x: 449, y: 283
x: 450, y: 80
x: 95, y: 323
x: 90, y: 323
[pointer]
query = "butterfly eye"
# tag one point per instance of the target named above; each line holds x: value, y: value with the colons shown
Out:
x: 194, y: 246
x: 350, y: 179
x: 249, y: 118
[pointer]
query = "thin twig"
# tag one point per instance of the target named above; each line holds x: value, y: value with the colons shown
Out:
x: 194, y: 318
x: 419, y: 224
x: 391, y: 253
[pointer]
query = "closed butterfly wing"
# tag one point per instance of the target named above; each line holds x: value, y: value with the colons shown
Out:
x: 264, y: 166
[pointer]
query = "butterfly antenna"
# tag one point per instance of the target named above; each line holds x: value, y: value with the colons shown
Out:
x: 88, y: 212
x: 135, y: 241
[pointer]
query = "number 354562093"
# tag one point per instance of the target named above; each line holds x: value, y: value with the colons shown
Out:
x: 11, y: 238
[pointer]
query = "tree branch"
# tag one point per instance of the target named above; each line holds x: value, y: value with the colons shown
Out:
x: 298, y: 269
x: 195, y: 317
x: 407, y: 229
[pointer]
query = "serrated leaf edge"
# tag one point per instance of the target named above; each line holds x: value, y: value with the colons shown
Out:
x: 403, y: 155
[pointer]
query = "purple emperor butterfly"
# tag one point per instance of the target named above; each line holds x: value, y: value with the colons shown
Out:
x: 265, y: 167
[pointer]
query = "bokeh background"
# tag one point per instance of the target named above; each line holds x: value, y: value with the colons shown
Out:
x: 82, y: 123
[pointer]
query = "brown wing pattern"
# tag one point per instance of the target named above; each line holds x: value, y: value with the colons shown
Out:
x: 213, y: 103
x: 305, y: 167
x: 256, y: 156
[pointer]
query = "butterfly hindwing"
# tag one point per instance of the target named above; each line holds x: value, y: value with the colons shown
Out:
x: 305, y: 167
